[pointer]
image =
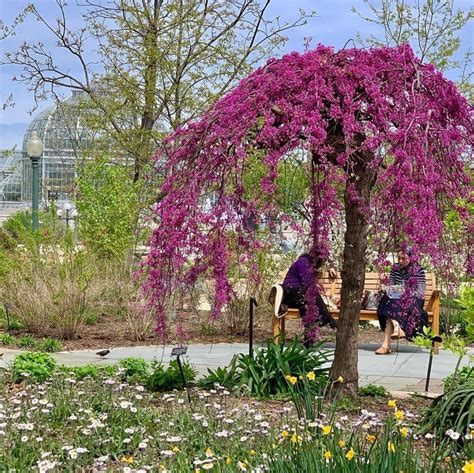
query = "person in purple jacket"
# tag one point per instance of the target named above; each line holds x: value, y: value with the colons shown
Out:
x: 297, y: 280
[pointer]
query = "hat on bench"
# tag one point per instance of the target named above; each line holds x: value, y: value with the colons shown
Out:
x: 275, y: 298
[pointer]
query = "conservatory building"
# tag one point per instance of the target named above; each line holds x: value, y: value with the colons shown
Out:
x: 65, y: 140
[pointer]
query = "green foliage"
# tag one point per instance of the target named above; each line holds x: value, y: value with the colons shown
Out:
x: 134, y: 370
x: 7, y: 339
x: 264, y: 374
x: 89, y: 371
x: 464, y: 376
x: 50, y: 345
x: 162, y: 379
x: 107, y: 206
x: 423, y: 339
x: 372, y: 390
x: 27, y: 341
x: 453, y: 410
x: 33, y: 367
x: 91, y: 319
x: 466, y: 302
x: 452, y: 318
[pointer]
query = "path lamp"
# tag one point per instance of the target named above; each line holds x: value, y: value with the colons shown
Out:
x: 34, y: 148
x: 67, y: 213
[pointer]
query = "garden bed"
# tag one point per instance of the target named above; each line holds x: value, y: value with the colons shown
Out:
x: 112, y: 331
x: 107, y: 424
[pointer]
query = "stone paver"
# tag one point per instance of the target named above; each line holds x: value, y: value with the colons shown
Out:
x: 404, y: 370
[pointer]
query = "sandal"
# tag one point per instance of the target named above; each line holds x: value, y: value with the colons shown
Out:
x: 383, y: 351
x: 399, y: 334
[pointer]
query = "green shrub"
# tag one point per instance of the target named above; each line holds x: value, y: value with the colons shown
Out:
x: 35, y: 367
x: 264, y: 374
x: 50, y: 345
x: 372, y: 390
x: 7, y: 339
x: 453, y: 410
x: 134, y: 370
x: 27, y: 341
x: 162, y: 379
x: 464, y: 376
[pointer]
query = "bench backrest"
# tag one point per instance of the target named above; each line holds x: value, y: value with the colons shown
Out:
x: 332, y: 287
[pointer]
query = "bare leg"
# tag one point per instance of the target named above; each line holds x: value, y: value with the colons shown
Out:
x: 387, y: 339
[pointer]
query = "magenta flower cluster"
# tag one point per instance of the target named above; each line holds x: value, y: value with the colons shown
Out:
x: 334, y: 106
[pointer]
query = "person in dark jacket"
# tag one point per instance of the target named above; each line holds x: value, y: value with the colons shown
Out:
x: 295, y: 285
x: 403, y: 301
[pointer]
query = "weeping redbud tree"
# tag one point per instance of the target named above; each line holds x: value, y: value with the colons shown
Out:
x: 384, y: 140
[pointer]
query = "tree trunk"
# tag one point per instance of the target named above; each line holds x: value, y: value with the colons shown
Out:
x: 362, y: 179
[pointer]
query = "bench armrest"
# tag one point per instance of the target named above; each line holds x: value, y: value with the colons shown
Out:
x: 434, y: 300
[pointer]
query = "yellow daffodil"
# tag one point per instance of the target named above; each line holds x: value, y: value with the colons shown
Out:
x: 327, y: 455
x: 209, y: 453
x: 127, y: 459
x: 252, y: 452
x: 398, y: 415
x: 404, y: 432
x: 392, y: 403
x: 341, y: 443
x: 296, y: 438
x: 291, y: 379
x: 350, y: 454
x: 175, y: 449
x: 371, y: 438
x: 311, y: 376
x: 326, y: 430
x: 228, y: 461
x: 340, y: 379
x: 285, y: 434
x: 468, y: 467
x: 391, y: 447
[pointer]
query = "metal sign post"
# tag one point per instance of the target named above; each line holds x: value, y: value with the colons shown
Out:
x: 434, y: 340
x: 253, y: 302
x: 177, y: 352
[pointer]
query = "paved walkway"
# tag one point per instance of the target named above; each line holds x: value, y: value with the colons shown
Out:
x: 401, y: 371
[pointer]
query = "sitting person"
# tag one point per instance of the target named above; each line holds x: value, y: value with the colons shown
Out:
x: 295, y: 285
x: 403, y: 302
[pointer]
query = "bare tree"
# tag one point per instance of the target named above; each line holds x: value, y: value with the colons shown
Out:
x: 148, y: 66
x: 432, y: 28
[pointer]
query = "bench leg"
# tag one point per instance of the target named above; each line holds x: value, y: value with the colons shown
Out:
x: 436, y: 332
x: 276, y: 328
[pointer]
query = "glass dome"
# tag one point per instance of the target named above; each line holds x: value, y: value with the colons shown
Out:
x: 65, y: 138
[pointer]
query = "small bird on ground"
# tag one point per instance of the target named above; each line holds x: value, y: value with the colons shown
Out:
x: 103, y: 353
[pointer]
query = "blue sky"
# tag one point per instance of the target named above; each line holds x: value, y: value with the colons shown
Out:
x: 334, y: 25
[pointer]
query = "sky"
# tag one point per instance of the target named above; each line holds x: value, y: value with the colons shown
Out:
x: 334, y: 25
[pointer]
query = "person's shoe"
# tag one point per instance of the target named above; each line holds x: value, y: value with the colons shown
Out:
x: 398, y: 334
x: 383, y: 351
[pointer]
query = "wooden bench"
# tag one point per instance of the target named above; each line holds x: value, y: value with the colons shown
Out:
x: 332, y: 290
